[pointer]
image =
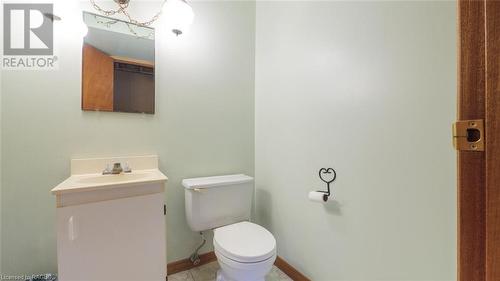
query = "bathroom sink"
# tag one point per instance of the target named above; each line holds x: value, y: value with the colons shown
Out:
x: 120, y: 178
x: 94, y: 181
x: 86, y: 175
x: 87, y: 183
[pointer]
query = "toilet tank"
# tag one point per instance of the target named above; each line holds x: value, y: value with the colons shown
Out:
x: 212, y: 202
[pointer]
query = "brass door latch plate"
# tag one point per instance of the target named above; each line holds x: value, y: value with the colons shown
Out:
x: 468, y: 135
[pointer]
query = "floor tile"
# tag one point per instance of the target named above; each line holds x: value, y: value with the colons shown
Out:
x: 277, y: 275
x: 206, y: 272
x: 181, y: 276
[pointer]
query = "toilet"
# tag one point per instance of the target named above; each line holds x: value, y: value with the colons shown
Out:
x: 245, y: 251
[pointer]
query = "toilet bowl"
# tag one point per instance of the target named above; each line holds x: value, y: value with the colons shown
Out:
x: 245, y: 252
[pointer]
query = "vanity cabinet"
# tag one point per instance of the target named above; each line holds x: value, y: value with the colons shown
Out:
x: 112, y: 231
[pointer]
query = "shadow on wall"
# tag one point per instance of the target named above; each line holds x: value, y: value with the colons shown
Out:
x: 263, y: 213
x: 333, y: 207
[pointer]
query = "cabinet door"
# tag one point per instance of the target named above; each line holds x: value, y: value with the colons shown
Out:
x: 121, y: 239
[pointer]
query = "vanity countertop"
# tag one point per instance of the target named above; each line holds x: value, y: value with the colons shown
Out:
x: 97, y: 181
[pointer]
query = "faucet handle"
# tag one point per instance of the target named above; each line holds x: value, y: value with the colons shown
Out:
x: 126, y: 168
x: 107, y: 170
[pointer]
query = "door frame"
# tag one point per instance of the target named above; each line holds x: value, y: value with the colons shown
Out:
x: 479, y: 172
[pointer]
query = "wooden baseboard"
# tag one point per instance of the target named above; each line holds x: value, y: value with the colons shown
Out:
x: 290, y: 270
x: 186, y: 264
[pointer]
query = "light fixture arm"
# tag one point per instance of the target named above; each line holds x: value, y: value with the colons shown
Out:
x: 122, y: 9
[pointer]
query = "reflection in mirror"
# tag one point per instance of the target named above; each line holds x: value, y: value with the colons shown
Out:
x: 118, y: 66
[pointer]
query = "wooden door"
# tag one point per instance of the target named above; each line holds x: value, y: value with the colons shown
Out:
x: 479, y: 172
x: 97, y: 79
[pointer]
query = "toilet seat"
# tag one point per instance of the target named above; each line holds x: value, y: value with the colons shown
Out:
x: 244, y: 242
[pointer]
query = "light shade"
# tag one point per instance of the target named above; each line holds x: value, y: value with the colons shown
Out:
x: 69, y: 18
x: 178, y: 16
x: 82, y: 28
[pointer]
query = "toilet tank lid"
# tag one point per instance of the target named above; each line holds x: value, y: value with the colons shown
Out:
x: 216, y: 181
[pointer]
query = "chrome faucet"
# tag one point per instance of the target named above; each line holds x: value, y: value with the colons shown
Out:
x: 117, y: 169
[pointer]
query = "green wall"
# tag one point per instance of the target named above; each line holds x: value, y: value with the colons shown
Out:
x: 345, y: 84
x: 368, y: 88
x: 204, y: 125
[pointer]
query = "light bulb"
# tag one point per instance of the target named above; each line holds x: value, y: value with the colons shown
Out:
x: 178, y: 16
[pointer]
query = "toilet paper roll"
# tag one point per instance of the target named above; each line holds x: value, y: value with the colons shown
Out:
x: 317, y: 196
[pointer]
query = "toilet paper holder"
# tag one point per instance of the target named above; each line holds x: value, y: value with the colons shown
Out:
x: 323, y: 173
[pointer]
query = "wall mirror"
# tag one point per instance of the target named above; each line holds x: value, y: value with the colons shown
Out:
x: 118, y: 69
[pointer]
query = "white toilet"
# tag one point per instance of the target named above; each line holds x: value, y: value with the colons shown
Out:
x: 245, y: 251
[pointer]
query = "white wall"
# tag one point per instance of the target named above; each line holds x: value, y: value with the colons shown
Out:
x: 369, y: 89
x: 1, y: 130
x: 203, y: 126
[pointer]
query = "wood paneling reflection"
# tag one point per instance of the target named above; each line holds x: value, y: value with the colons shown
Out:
x: 97, y: 79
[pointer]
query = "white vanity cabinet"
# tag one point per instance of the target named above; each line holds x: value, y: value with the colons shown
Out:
x: 112, y: 227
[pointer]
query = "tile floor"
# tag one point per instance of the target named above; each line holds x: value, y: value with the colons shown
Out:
x: 207, y: 272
